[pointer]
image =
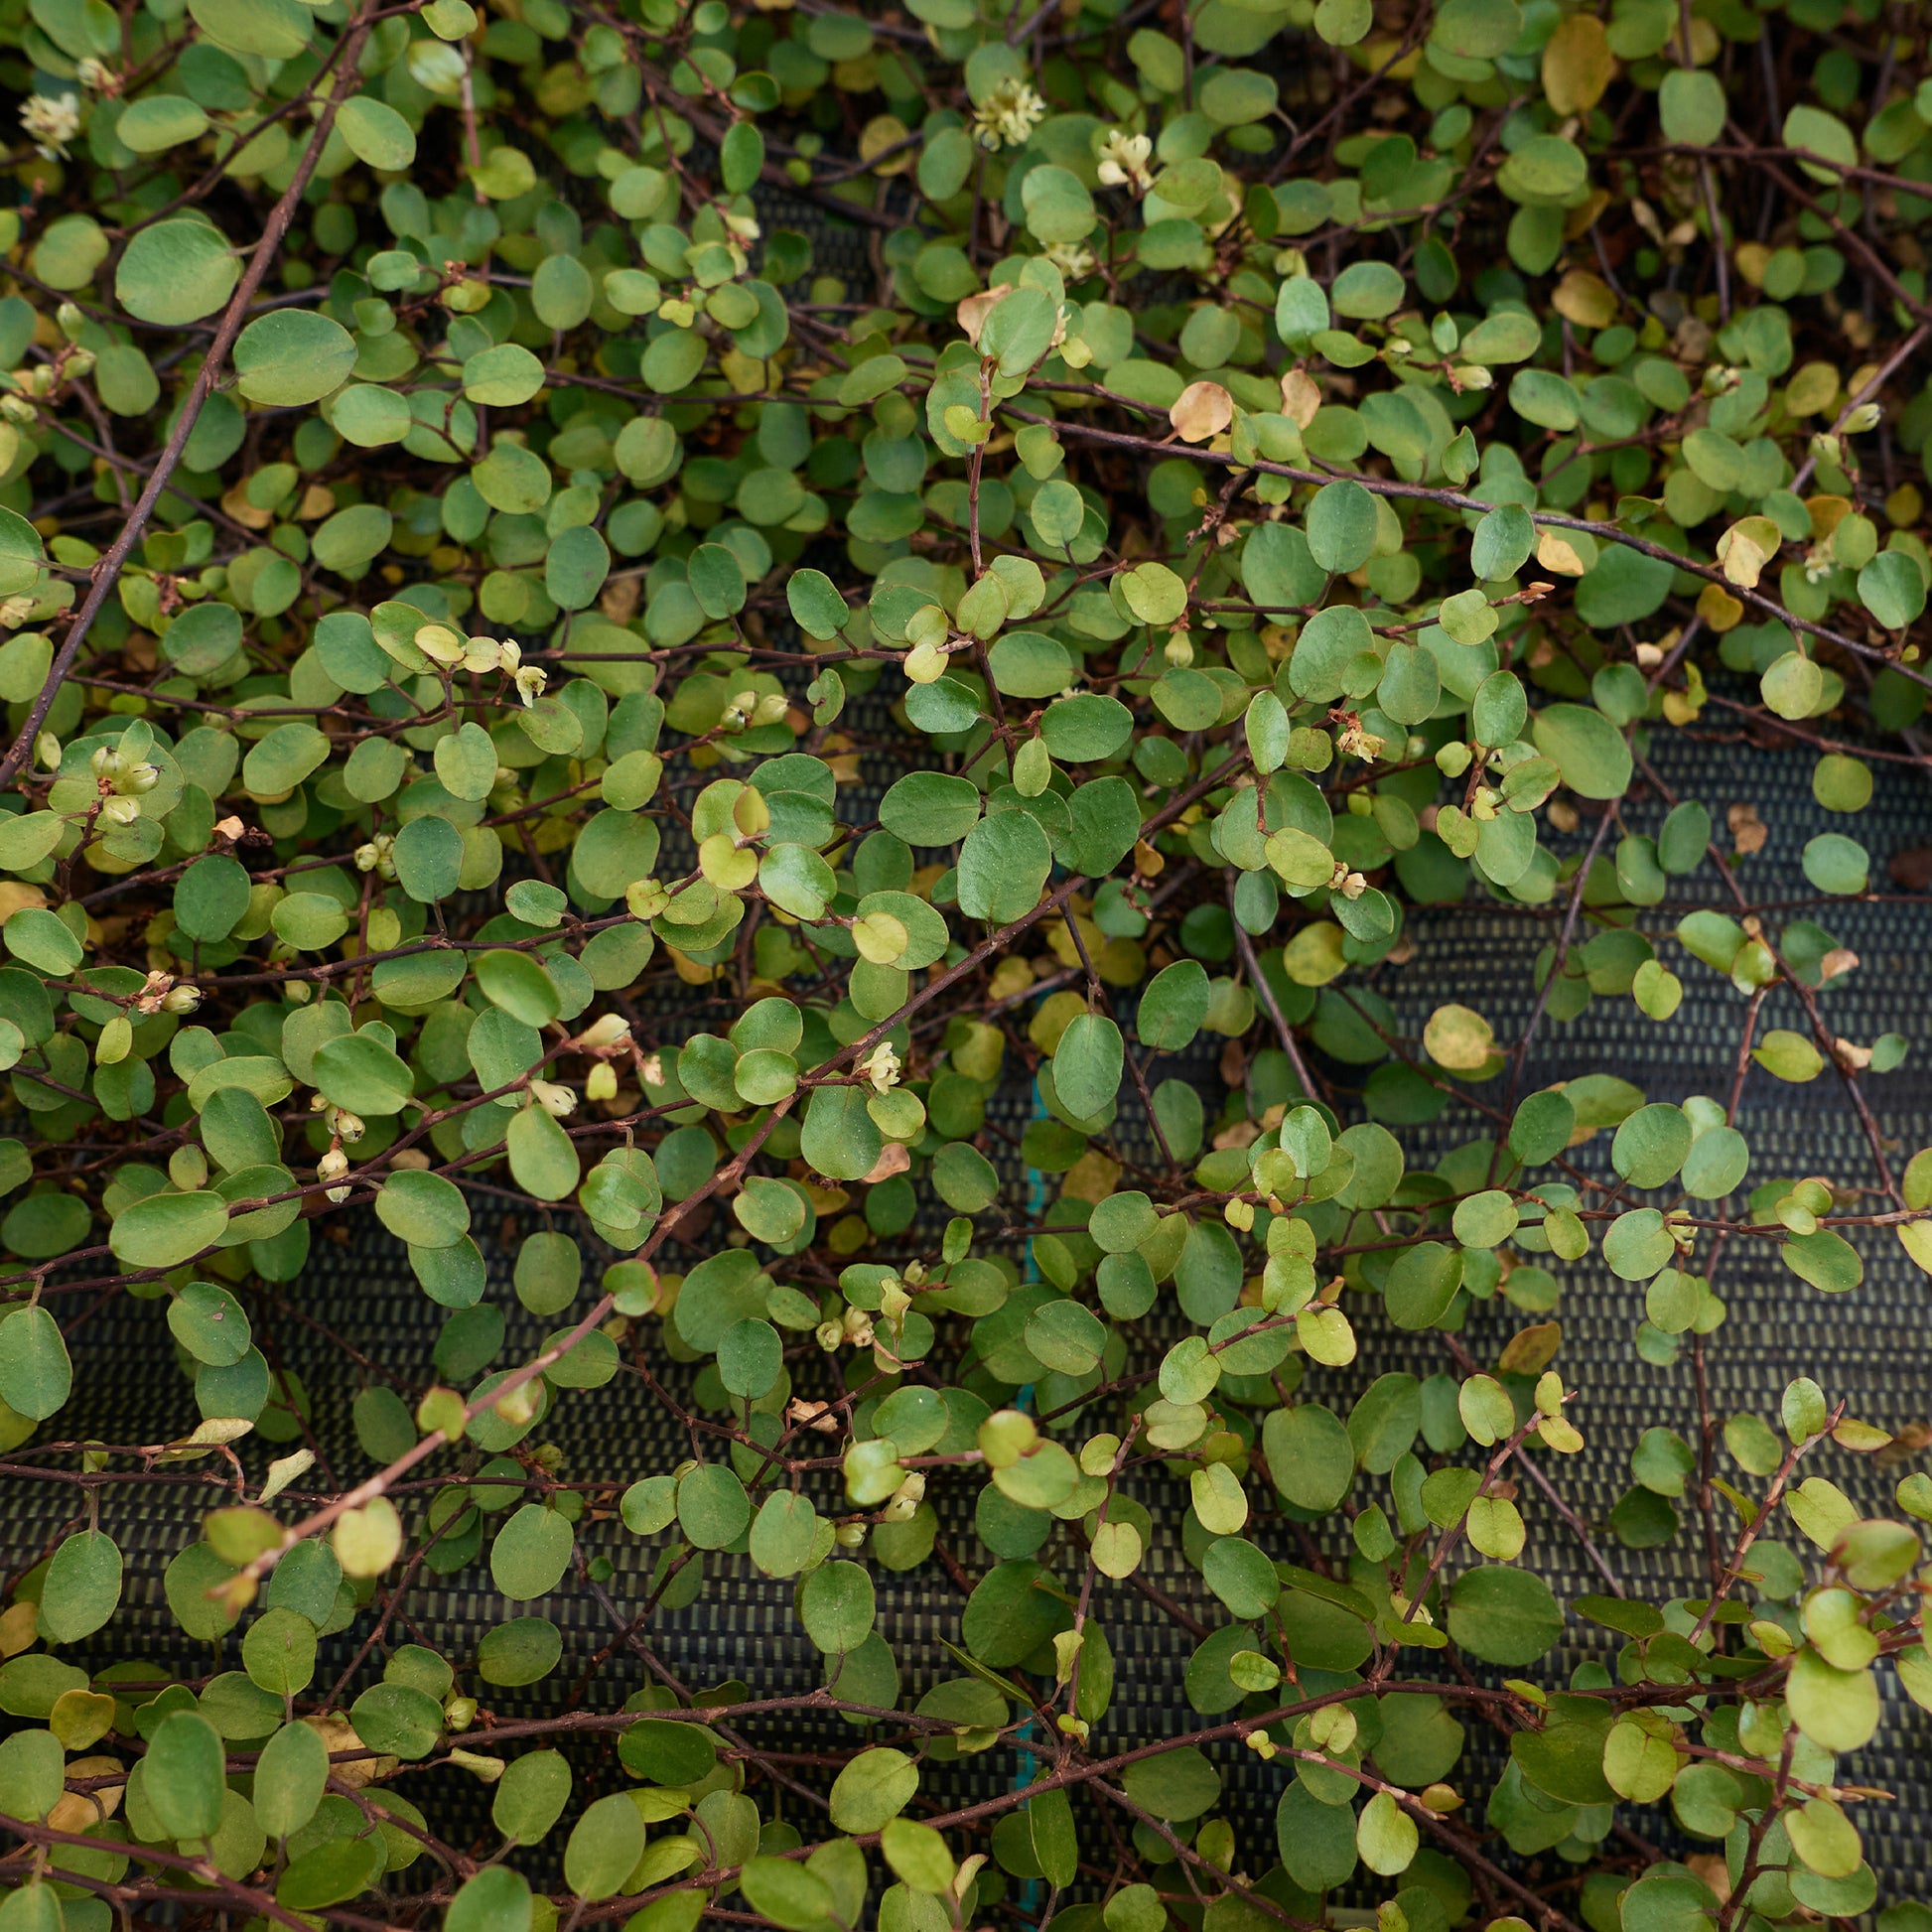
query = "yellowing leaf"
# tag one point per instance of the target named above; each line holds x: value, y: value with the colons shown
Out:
x: 1459, y: 1038
x: 367, y: 1541
x: 1578, y: 64
x: 1746, y: 547
x: 1554, y: 551
x: 1585, y: 299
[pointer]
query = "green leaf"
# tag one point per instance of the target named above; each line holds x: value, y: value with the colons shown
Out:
x: 1342, y: 524
x: 1003, y: 867
x: 530, y: 1797
x: 787, y: 1892
x: 183, y: 1776
x: 873, y: 1788
x: 1692, y: 105
x: 177, y: 271
x: 358, y: 1072
x: 1892, y: 588
x: 292, y: 355
x: 81, y: 1587
x: 165, y: 1229
x: 1503, y: 1617
x: 496, y: 1899
x: 374, y: 132
x: 605, y: 1844
x: 532, y: 1553
x: 1087, y: 1064
x: 1385, y: 1836
x: 930, y: 808
x: 160, y: 121
x: 1588, y: 749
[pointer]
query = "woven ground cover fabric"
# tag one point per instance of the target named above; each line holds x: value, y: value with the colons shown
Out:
x: 1871, y: 1347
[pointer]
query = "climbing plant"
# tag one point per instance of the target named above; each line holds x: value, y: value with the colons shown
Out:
x: 781, y: 690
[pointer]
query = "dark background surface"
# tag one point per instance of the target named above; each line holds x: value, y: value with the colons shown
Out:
x: 1869, y: 1347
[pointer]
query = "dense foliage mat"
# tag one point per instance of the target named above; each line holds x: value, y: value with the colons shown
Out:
x: 788, y: 697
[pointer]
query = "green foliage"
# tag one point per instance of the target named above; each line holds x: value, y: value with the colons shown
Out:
x: 531, y: 693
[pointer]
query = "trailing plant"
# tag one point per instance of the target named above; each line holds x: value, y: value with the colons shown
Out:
x: 801, y: 674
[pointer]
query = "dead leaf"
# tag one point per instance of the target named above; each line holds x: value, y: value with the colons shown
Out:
x: 1301, y: 398
x: 1716, y: 1873
x: 1747, y: 831
x: 893, y: 1158
x: 1912, y: 868
x: 973, y: 310
x: 1200, y: 411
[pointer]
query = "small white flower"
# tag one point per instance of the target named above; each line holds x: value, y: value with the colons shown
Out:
x: 1074, y: 259
x: 154, y: 993
x: 554, y: 1100
x: 1124, y: 158
x: 611, y: 1031
x: 530, y: 680
x: 50, y: 121
x: 332, y: 1166
x: 1008, y: 116
x: 96, y: 77
x: 881, y: 1068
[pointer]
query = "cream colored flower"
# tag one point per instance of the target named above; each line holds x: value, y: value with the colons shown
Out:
x: 1074, y: 259
x: 377, y: 855
x: 1008, y: 116
x: 1124, y: 158
x: 50, y: 121
x: 554, y: 1100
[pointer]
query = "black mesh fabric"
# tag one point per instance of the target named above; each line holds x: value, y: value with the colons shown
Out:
x: 1871, y: 1348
